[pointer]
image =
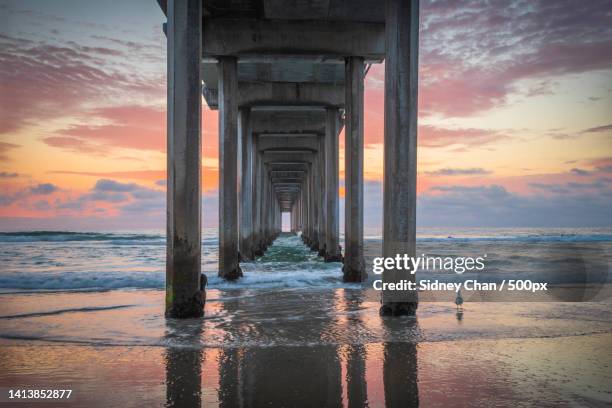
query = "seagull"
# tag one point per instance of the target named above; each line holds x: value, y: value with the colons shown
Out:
x: 459, y: 300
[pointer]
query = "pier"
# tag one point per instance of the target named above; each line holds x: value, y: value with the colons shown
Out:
x: 287, y: 77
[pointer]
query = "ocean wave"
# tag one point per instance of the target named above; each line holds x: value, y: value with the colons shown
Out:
x: 67, y: 236
x: 83, y: 281
x: 62, y: 311
x: 210, y: 237
x: 92, y: 237
x: 522, y: 238
x: 96, y: 281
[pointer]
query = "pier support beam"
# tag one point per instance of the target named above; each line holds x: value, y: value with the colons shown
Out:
x: 229, y: 267
x: 332, y: 232
x: 400, y: 175
x: 183, y: 297
x: 315, y: 202
x: 246, y: 186
x: 354, y: 264
x: 257, y: 199
x: 321, y: 166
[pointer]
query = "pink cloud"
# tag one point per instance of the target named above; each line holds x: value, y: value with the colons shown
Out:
x: 134, y: 127
x: 40, y: 80
x: 5, y: 148
x: 473, y: 54
x: 433, y: 136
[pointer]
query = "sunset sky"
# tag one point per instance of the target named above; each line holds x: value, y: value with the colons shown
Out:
x: 515, y: 116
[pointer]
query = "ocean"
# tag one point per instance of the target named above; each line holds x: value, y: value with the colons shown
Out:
x: 47, y: 260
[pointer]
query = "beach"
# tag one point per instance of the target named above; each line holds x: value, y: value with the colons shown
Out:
x: 290, y: 333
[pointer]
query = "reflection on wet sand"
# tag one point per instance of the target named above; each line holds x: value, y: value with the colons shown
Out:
x: 316, y: 375
x: 184, y: 366
x: 356, y: 385
x: 400, y: 375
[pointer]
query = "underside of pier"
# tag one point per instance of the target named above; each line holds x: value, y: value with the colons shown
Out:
x: 287, y: 76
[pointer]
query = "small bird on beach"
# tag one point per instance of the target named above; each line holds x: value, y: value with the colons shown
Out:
x: 459, y: 301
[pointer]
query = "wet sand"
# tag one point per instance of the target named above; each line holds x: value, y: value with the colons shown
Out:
x: 304, y: 349
x: 545, y: 372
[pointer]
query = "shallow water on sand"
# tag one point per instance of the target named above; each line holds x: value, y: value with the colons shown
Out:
x: 290, y: 333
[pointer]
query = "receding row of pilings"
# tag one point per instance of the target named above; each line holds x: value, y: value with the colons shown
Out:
x: 274, y: 158
x: 285, y: 172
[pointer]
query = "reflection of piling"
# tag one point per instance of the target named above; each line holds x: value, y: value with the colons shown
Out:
x: 184, y: 364
x: 183, y: 377
x: 400, y: 375
x: 356, y: 386
x: 284, y: 87
x: 400, y: 363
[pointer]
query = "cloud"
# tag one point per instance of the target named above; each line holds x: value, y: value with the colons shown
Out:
x: 42, y: 205
x: 495, y: 206
x: 123, y: 197
x: 106, y: 185
x: 603, y: 165
x: 133, y: 127
x: 550, y: 187
x: 133, y: 174
x: 73, y: 144
x: 579, y: 172
x: 434, y: 136
x: 599, y: 129
x: 5, y: 174
x: 5, y: 148
x: 474, y: 171
x: 46, y: 79
x: 44, y: 189
x: 7, y: 199
x: 474, y: 54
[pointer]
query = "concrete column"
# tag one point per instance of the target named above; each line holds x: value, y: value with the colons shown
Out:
x: 246, y: 186
x: 278, y: 217
x: 316, y: 202
x: 264, y: 203
x: 183, y: 233
x: 322, y: 196
x: 311, y: 206
x: 262, y: 209
x: 400, y: 174
x: 332, y: 232
x: 307, y: 205
x: 299, y: 222
x: 228, y: 169
x: 354, y: 269
x: 265, y: 208
x: 257, y: 198
x: 304, y: 188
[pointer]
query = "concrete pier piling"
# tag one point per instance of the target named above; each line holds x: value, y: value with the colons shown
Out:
x: 286, y: 79
x: 401, y: 101
x: 229, y: 267
x: 354, y: 265
x: 246, y: 186
x: 183, y: 235
x: 332, y: 226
